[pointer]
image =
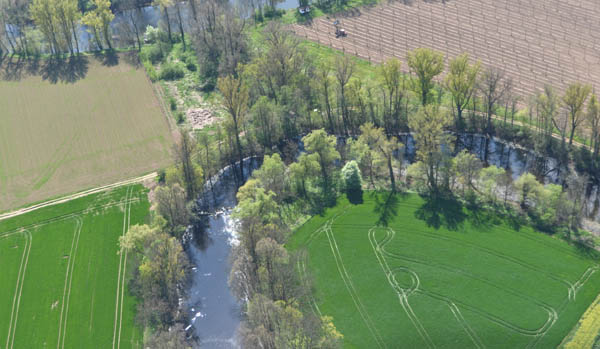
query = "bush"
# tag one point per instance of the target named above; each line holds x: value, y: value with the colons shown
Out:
x: 190, y: 63
x: 152, y: 53
x: 161, y: 176
x: 180, y: 117
x: 150, y: 71
x: 170, y: 71
x: 172, y: 103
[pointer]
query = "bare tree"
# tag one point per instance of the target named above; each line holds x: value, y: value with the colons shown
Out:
x: 493, y: 85
x: 344, y: 69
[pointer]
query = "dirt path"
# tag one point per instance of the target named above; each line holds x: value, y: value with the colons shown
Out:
x: 76, y: 196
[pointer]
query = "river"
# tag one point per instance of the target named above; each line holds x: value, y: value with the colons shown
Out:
x: 212, y: 308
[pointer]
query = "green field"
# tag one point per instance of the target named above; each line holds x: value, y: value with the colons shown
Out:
x: 63, y: 281
x: 73, y: 126
x: 442, y: 276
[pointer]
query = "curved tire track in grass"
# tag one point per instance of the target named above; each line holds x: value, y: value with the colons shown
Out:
x: 62, y: 326
x: 381, y: 253
x: 350, y: 286
x: 124, y: 273
x: 119, y: 277
x: 14, y: 314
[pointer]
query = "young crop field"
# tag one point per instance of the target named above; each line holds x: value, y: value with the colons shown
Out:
x: 75, y: 126
x: 536, y: 42
x: 399, y: 271
x: 63, y: 280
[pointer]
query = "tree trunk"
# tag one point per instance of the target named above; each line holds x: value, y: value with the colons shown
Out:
x: 75, y: 35
x: 391, y: 170
x: 168, y: 24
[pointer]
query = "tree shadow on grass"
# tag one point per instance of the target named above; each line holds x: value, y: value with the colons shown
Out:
x: 386, y: 206
x: 438, y: 211
x: 69, y: 70
x: 108, y: 58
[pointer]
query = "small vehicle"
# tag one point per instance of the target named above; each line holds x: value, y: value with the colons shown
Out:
x: 339, y: 31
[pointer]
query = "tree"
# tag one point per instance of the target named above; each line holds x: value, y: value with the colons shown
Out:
x: 494, y: 85
x: 258, y: 213
x: 352, y: 182
x: 428, y: 126
x: 461, y: 82
x: 324, y: 81
x: 164, y: 6
x: 266, y: 122
x: 393, y: 86
x: 134, y: 19
x: 172, y: 205
x: 235, y: 99
x: 323, y: 146
x: 378, y: 148
x: 42, y: 14
x: 574, y: 99
x: 490, y: 181
x: 66, y: 14
x: 527, y: 186
x: 344, y: 69
x: 593, y: 119
x: 272, y: 176
x: 191, y: 173
x: 426, y: 64
x: 99, y: 19
x: 303, y: 171
x: 547, y: 103
x: 272, y: 261
x: 468, y: 167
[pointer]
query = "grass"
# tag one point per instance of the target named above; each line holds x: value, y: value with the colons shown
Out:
x: 63, y: 275
x: 77, y: 124
x: 439, y: 275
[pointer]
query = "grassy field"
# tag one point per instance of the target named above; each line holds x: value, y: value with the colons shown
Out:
x: 438, y: 275
x: 63, y: 280
x: 69, y: 126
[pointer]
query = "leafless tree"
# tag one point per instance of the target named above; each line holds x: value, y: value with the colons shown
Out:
x: 493, y: 85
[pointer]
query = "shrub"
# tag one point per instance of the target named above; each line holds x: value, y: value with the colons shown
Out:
x: 161, y: 176
x: 190, y: 63
x: 151, y: 71
x: 152, y: 53
x: 180, y: 117
x: 170, y: 71
x: 172, y: 103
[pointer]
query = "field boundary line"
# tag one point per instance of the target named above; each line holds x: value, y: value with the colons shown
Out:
x: 77, y: 195
x: 62, y: 327
x: 120, y: 268
x: 19, y: 287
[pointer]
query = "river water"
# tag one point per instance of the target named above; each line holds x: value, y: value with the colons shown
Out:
x: 212, y: 308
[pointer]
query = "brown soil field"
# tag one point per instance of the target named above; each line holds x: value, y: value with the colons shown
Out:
x: 536, y: 42
x: 69, y: 126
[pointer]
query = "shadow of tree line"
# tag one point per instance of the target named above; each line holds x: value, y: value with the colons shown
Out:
x: 57, y: 69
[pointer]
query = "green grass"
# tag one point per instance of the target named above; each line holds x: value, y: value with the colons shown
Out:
x: 439, y: 275
x: 67, y: 127
x: 61, y: 267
